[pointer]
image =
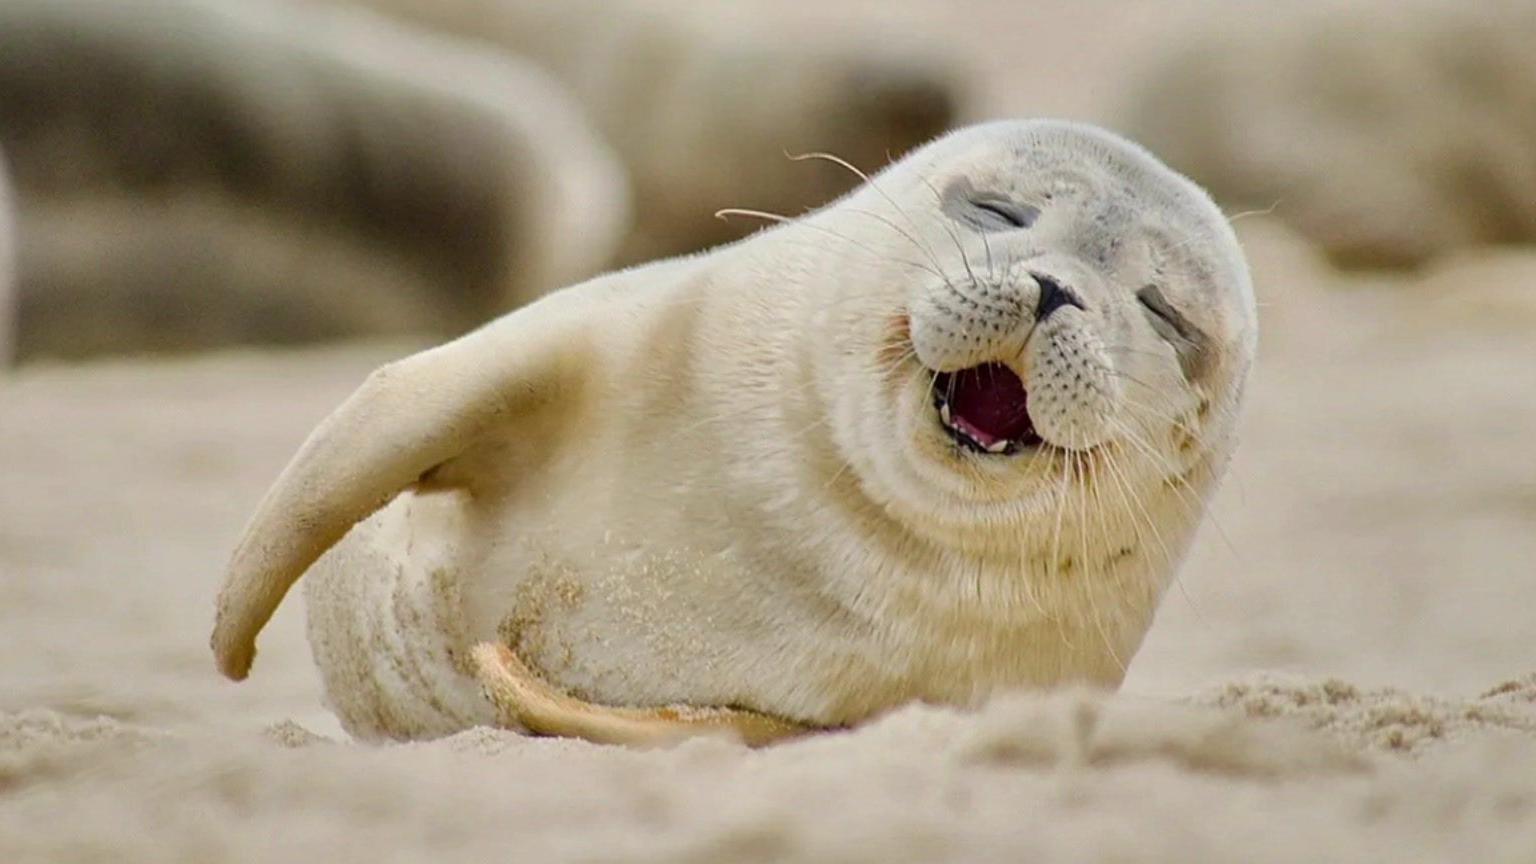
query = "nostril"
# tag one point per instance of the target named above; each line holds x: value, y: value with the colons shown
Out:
x: 1053, y: 296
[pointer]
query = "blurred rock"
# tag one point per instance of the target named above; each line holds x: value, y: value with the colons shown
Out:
x: 1388, y: 135
x: 193, y: 173
x: 703, y: 108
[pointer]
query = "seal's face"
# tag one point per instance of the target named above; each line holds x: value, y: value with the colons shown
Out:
x: 1056, y: 302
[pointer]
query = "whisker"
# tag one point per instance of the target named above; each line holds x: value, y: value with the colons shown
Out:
x: 899, y: 230
x: 1246, y: 213
x: 1081, y: 462
x: 1197, y: 504
x: 787, y: 220
x: 955, y: 238
x: 1061, y: 507
x: 849, y: 166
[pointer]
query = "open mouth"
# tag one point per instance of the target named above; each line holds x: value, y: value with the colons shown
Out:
x: 985, y: 409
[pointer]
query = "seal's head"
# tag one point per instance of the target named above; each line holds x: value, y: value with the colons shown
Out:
x: 1025, y: 306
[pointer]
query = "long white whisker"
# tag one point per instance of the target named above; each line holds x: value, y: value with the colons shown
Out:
x: 1061, y: 509
x: 1083, y: 566
x: 849, y: 166
x: 780, y: 218
x: 938, y: 268
x: 1128, y: 495
x: 955, y: 238
x: 1191, y: 498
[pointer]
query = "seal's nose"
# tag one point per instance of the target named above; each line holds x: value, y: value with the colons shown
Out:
x: 1053, y: 296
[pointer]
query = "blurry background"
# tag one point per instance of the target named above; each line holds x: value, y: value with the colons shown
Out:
x: 192, y: 175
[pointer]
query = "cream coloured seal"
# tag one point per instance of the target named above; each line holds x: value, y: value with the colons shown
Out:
x: 948, y: 435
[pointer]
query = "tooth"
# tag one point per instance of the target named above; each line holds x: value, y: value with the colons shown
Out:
x: 944, y: 413
x: 998, y: 446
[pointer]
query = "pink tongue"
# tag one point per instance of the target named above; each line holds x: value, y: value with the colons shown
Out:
x: 988, y: 402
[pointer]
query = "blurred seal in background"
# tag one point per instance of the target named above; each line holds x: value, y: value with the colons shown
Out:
x: 197, y: 173
x: 1386, y: 139
x: 194, y: 173
x: 703, y: 108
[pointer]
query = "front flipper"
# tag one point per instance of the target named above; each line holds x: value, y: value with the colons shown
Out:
x: 409, y: 417
x: 526, y: 700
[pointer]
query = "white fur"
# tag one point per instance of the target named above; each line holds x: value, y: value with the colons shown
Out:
x: 720, y: 481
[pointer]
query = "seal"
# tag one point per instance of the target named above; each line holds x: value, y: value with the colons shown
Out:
x: 278, y: 175
x: 946, y: 436
x: 702, y: 106
x: 1340, y: 126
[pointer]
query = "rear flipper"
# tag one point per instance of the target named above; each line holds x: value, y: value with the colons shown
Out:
x: 524, y: 700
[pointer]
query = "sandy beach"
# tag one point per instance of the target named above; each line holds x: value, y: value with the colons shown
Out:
x: 1365, y: 580
x: 1346, y: 670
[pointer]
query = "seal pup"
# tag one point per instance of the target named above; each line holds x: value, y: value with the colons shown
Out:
x: 948, y: 435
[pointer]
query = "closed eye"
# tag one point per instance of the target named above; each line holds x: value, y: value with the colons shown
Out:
x: 1166, y: 320
x: 1000, y: 214
x: 1189, y: 342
